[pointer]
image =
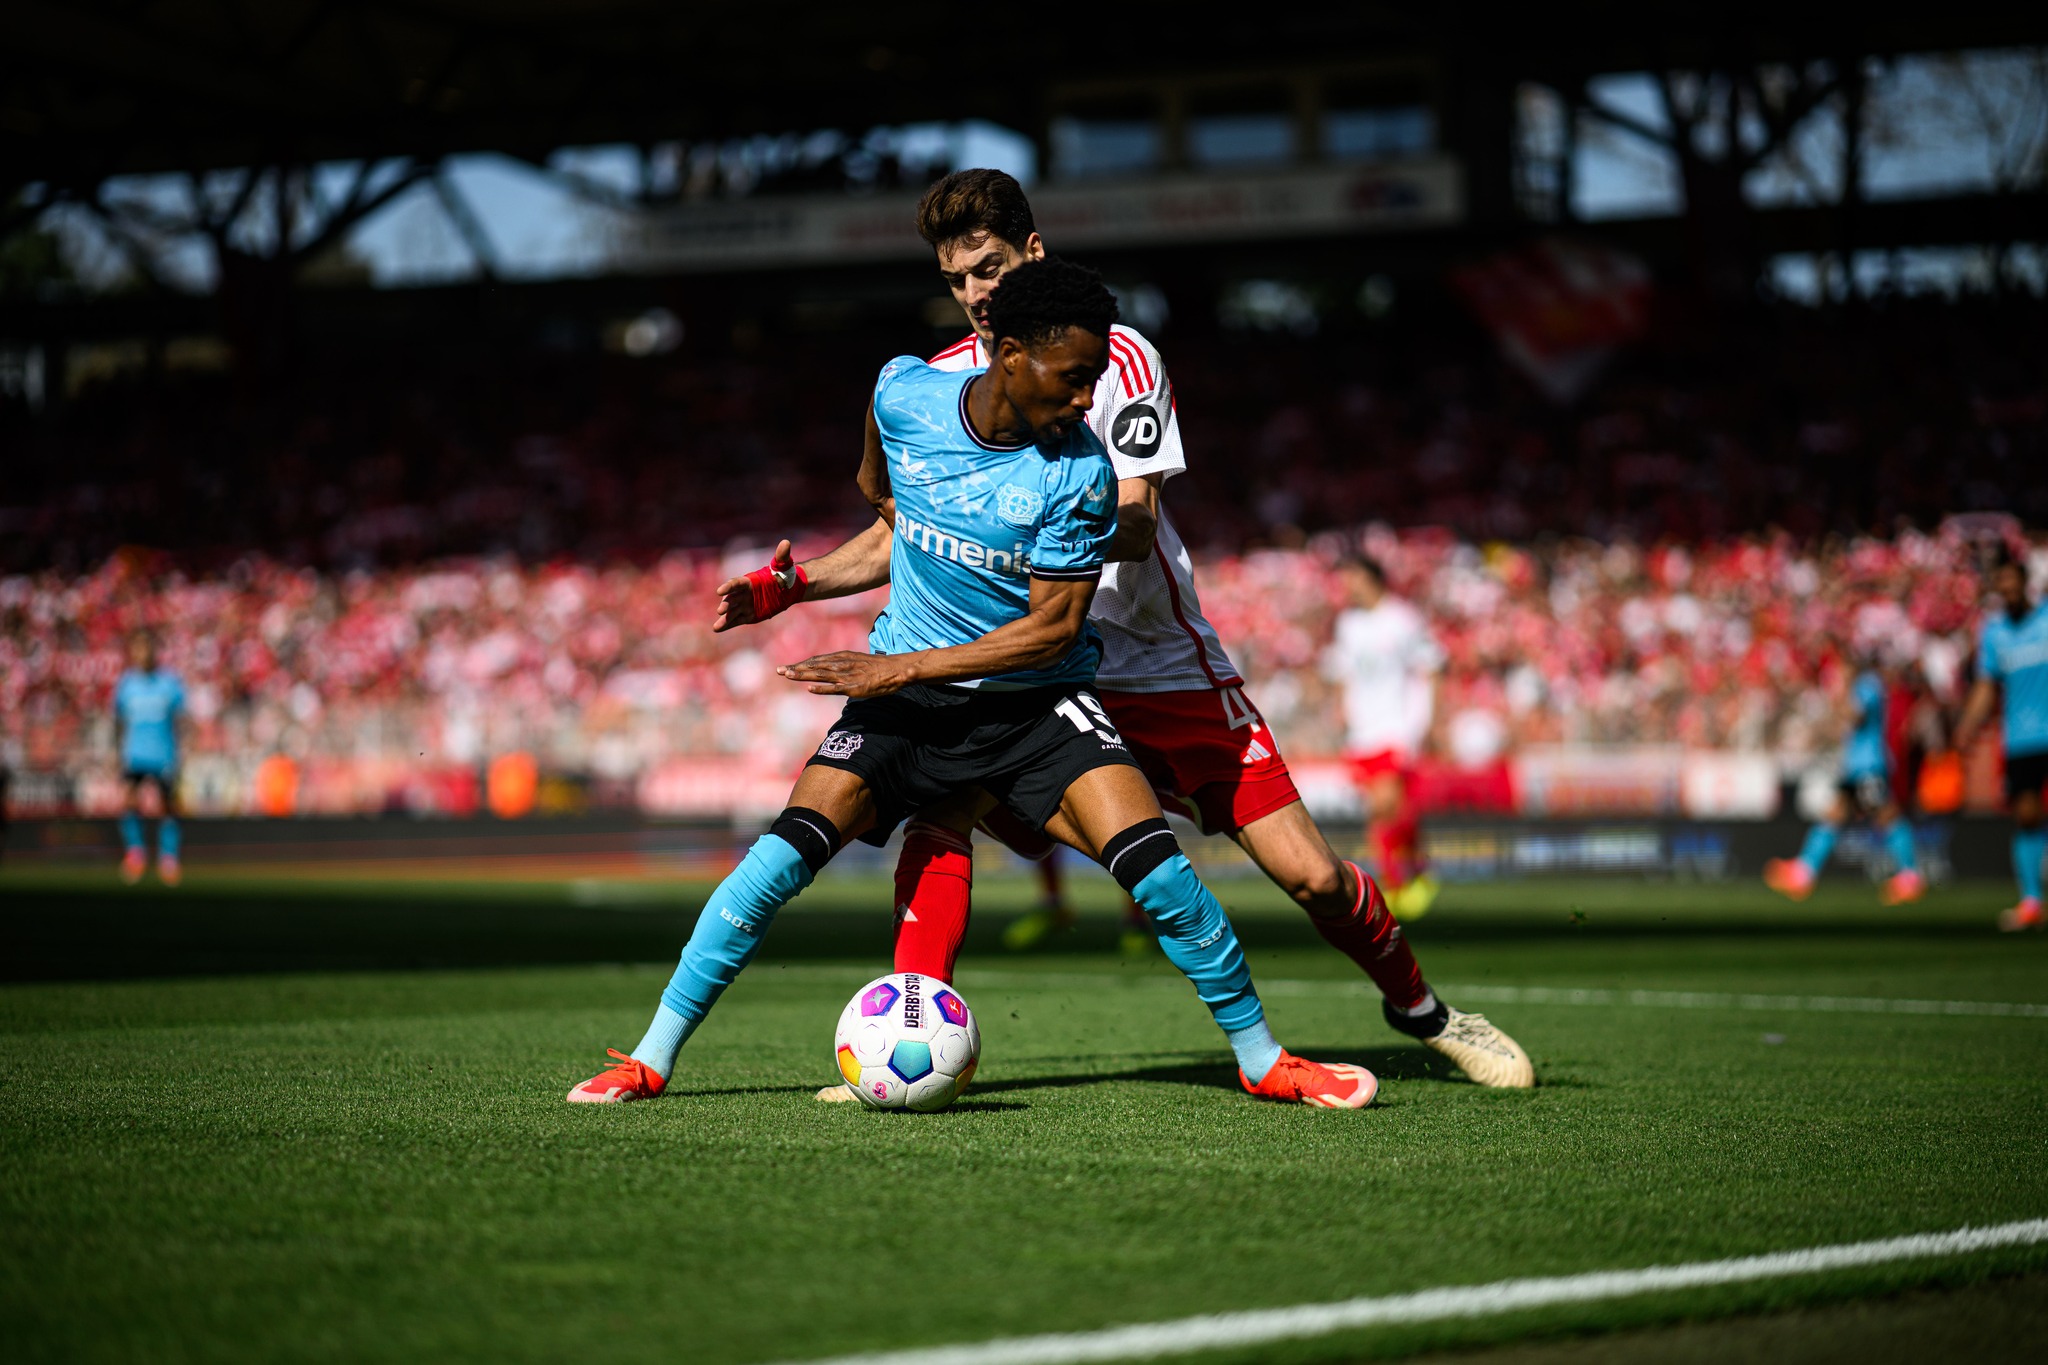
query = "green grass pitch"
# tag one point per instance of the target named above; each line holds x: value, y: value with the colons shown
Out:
x: 263, y: 1119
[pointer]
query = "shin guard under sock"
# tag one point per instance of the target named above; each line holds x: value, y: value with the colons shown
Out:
x: 1372, y: 939
x: 169, y: 838
x: 131, y: 832
x: 1193, y: 931
x: 934, y: 890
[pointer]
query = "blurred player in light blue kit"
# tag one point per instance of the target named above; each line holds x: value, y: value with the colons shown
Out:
x: 2012, y: 657
x: 149, y: 703
x: 1865, y: 790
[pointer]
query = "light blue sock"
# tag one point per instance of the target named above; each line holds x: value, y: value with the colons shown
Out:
x: 728, y: 933
x: 1820, y: 843
x: 131, y: 831
x: 665, y: 1038
x: 1898, y: 841
x: 2029, y: 846
x: 1257, y: 1050
x: 1197, y: 938
x: 169, y: 838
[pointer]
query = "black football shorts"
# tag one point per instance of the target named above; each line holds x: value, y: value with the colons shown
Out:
x: 2025, y: 774
x: 1023, y: 747
x: 1868, y: 793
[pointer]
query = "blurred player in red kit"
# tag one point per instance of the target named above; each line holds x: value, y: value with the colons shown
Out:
x: 1386, y: 662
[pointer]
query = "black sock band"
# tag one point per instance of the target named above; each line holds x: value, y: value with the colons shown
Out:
x: 1417, y: 1025
x: 813, y: 836
x: 1133, y: 855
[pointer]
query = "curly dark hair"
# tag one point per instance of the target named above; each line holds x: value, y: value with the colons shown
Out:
x: 1041, y: 299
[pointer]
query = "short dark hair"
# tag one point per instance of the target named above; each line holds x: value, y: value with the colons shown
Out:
x: 973, y: 203
x: 1369, y: 565
x: 1041, y: 299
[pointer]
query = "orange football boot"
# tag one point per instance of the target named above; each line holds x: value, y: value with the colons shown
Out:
x: 631, y: 1079
x: 1326, y: 1085
x: 133, y: 864
x: 1902, y: 888
x: 169, y: 871
x: 1789, y: 877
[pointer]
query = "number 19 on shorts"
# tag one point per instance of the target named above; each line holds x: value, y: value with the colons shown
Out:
x: 1089, y: 718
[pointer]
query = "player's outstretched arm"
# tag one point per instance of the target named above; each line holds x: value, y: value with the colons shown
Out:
x: 855, y: 566
x: 1137, y: 519
x: 1048, y: 629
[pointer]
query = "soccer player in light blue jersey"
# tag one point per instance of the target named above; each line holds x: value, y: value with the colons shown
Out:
x: 1001, y: 503
x: 1865, y: 790
x: 2012, y: 659
x: 149, y: 704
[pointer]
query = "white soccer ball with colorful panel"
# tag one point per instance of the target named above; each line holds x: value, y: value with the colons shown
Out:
x: 907, y: 1042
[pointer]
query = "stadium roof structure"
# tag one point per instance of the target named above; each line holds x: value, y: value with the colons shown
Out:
x: 97, y: 88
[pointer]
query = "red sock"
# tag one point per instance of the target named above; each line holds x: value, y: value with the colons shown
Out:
x: 1374, y: 941
x: 934, y: 880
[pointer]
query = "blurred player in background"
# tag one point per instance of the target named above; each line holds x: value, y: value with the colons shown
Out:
x: 1867, y: 790
x: 1386, y: 662
x: 2012, y: 658
x: 1164, y: 678
x: 149, y: 704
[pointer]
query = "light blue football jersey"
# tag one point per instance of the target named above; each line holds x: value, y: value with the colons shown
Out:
x: 2016, y: 654
x: 1866, y: 755
x: 976, y: 522
x: 148, y: 705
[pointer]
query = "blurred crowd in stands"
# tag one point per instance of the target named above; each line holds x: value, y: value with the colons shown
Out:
x: 388, y: 575
x: 1817, y: 422
x: 395, y: 689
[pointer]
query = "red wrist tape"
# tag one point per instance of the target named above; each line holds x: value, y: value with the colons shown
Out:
x: 777, y: 590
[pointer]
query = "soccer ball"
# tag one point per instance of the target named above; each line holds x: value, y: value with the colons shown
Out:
x: 907, y: 1042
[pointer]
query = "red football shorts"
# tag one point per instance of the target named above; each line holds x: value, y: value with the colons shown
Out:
x: 1208, y: 754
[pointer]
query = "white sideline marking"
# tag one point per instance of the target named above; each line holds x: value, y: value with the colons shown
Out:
x: 1552, y: 995
x: 1214, y: 1331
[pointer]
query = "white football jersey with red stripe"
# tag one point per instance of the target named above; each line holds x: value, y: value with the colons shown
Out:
x: 1154, y: 636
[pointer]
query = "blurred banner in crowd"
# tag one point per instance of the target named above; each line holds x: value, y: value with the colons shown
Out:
x: 1559, y: 308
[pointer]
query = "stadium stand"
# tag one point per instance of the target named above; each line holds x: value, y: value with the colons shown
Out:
x: 1816, y: 422
x: 391, y: 689
x: 389, y: 576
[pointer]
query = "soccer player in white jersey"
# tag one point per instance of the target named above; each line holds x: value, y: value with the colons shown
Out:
x: 1176, y: 697
x: 1386, y: 661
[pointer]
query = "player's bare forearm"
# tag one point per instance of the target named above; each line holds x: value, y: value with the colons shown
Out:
x: 856, y: 566
x: 1976, y: 711
x: 1137, y: 519
x: 1057, y: 616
